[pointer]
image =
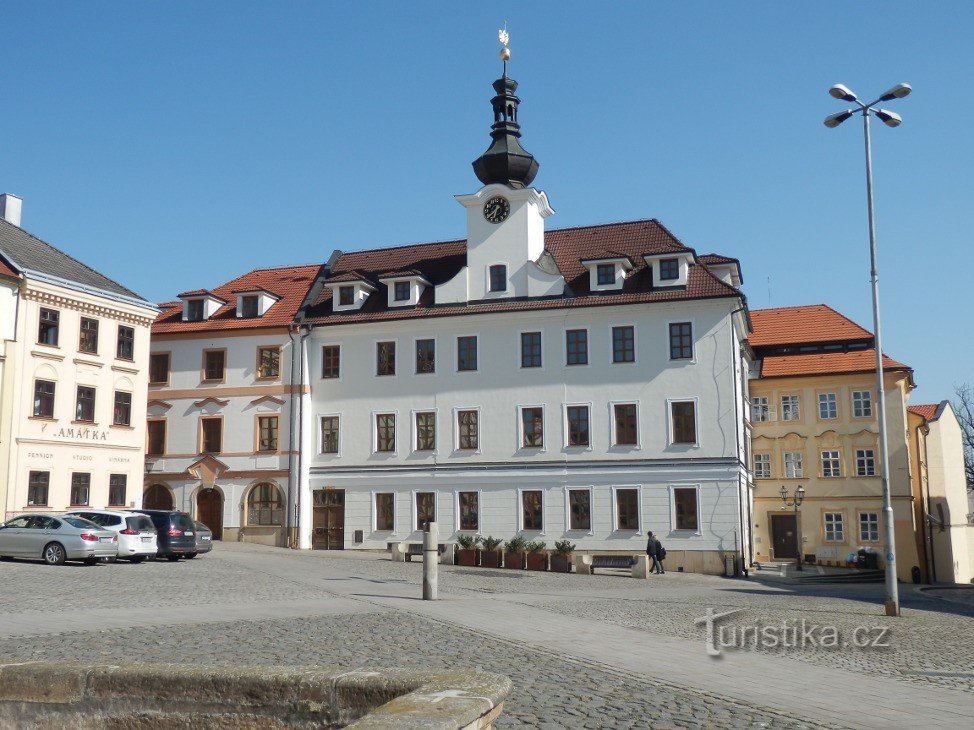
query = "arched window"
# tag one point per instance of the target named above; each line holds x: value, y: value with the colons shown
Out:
x: 265, y: 505
x: 157, y: 496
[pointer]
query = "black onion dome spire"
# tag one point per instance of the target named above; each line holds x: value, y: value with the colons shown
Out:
x: 506, y: 161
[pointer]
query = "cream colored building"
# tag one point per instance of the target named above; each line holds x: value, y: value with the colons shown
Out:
x: 74, y: 378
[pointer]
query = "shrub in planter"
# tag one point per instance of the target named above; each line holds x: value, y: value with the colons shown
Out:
x: 490, y: 556
x: 467, y: 552
x: 537, y: 555
x: 561, y: 559
x: 514, y: 553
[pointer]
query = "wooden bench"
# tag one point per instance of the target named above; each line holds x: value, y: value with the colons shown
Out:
x: 586, y: 564
x: 404, y: 552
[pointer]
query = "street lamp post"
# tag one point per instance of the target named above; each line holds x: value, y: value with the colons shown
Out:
x: 890, y: 119
x: 795, y: 502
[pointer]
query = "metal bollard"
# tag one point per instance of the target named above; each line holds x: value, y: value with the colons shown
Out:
x: 430, y: 562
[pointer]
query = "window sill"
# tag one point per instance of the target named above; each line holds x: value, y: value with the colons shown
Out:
x: 123, y: 426
x: 49, y: 419
x: 83, y: 423
x: 213, y: 382
x: 160, y: 384
x: 37, y: 506
x: 79, y: 505
x: 269, y: 378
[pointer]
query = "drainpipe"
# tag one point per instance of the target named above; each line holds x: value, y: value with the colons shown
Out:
x: 305, y: 332
x: 738, y: 430
x: 289, y: 541
x: 925, y: 522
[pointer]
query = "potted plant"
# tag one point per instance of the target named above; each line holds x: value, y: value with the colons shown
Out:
x: 467, y: 552
x: 490, y: 556
x: 537, y: 555
x: 514, y: 552
x: 561, y: 559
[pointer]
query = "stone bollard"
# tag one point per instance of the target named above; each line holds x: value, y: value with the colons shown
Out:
x: 640, y: 568
x: 430, y: 562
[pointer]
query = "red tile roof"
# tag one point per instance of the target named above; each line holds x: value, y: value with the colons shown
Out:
x: 928, y: 412
x: 716, y: 258
x: 291, y: 283
x: 568, y: 247
x: 826, y: 363
x: 796, y: 325
x: 195, y: 293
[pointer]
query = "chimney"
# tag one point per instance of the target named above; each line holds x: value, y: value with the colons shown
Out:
x: 10, y: 206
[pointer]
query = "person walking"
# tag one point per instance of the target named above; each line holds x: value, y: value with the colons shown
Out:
x: 653, y: 548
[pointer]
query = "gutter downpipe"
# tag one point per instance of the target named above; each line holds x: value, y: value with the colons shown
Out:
x: 925, y: 523
x: 738, y: 430
x: 305, y: 333
x: 290, y: 451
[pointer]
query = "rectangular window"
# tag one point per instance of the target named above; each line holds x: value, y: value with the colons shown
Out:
x: 686, y: 508
x: 331, y: 356
x: 790, y: 410
x: 862, y: 404
x: 329, y: 434
x: 47, y: 330
x: 155, y: 438
x: 466, y: 353
x: 468, y: 429
x: 385, y: 432
x: 44, y: 399
x: 159, y: 368
x: 532, y: 427
x: 85, y: 407
x: 267, y: 433
x: 625, y: 422
x: 869, y: 527
x: 469, y: 504
x: 834, y: 527
x: 249, y: 306
x: 385, y: 514
x: 346, y: 295
x: 426, y: 431
x: 425, y: 356
x: 194, y: 310
x: 623, y: 344
x: 576, y: 347
x: 828, y: 408
x: 578, y: 431
x: 401, y: 291
x: 579, y: 509
x: 425, y: 509
x: 385, y: 356
x: 762, y: 466
x: 80, y: 489
x: 530, y: 349
x: 122, y: 413
x: 116, y: 490
x: 760, y: 413
x: 498, y: 277
x: 214, y: 365
x: 831, y: 465
x: 681, y: 341
x: 268, y: 362
x: 865, y: 463
x: 88, y: 341
x: 531, y: 510
x: 605, y: 274
x: 125, y: 343
x: 684, y: 419
x: 627, y: 509
x: 669, y: 269
x: 38, y: 483
x: 794, y: 466
x: 211, y: 431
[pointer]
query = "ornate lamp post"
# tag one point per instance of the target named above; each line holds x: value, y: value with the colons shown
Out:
x: 795, y: 502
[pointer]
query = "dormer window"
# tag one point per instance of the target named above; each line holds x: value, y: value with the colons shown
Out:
x: 252, y: 303
x: 346, y: 296
x: 249, y: 306
x: 669, y: 269
x: 606, y: 274
x: 194, y: 310
x: 498, y: 278
x: 349, y: 292
x: 404, y: 288
x: 402, y: 291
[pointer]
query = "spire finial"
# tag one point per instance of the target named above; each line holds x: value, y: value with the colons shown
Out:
x: 504, y: 37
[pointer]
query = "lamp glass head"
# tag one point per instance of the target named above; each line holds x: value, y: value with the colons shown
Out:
x: 890, y: 119
x: 834, y: 120
x: 897, y: 92
x: 841, y: 91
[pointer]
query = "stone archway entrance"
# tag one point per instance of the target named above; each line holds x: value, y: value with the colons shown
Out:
x: 209, y: 510
x: 157, y: 497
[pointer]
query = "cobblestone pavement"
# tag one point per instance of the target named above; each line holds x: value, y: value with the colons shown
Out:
x: 551, y: 690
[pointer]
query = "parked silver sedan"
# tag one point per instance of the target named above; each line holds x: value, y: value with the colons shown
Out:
x: 204, y: 539
x: 56, y: 538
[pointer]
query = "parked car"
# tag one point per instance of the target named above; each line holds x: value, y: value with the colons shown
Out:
x: 56, y: 538
x: 136, y: 533
x: 204, y: 538
x: 175, y: 534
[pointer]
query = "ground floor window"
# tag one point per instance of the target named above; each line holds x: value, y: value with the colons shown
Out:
x: 869, y: 526
x: 38, y: 483
x: 531, y: 510
x: 80, y: 489
x: 627, y: 509
x: 425, y: 509
x: 468, y: 504
x: 834, y: 527
x: 265, y: 506
x: 579, y: 509
x: 385, y: 515
x: 686, y: 510
x: 116, y: 490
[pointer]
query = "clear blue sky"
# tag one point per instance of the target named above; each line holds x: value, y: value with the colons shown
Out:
x: 175, y: 145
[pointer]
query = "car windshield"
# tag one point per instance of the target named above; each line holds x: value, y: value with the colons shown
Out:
x: 103, y: 520
x: 142, y: 524
x: 184, y: 522
x: 80, y: 522
x: 200, y: 527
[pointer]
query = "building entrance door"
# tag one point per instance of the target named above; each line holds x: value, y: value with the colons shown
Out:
x: 783, y: 537
x: 329, y: 520
x: 157, y: 497
x: 209, y: 510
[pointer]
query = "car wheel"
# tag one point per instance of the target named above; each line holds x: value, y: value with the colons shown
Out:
x: 172, y: 558
x: 137, y: 559
x: 54, y: 554
x: 190, y: 556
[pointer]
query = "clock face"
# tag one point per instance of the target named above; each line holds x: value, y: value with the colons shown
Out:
x: 496, y: 209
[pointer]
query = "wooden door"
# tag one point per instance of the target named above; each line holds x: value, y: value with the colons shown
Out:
x: 329, y: 520
x: 783, y: 537
x: 209, y: 510
x: 157, y: 497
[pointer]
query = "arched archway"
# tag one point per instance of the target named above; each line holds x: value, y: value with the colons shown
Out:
x: 265, y: 505
x: 209, y: 510
x: 157, y: 496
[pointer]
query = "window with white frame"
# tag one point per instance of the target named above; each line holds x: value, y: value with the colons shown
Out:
x: 865, y: 463
x: 385, y: 432
x: 467, y: 353
x: 869, y: 526
x: 425, y: 431
x: 530, y: 349
x: 790, y: 409
x: 532, y: 512
x: 834, y: 527
x: 794, y: 466
x: 828, y: 407
x: 760, y: 413
x: 762, y: 466
x: 329, y: 434
x: 468, y: 505
x: 468, y: 430
x: 626, y: 424
x: 579, y: 509
x: 577, y: 418
x: 683, y: 422
x: 627, y: 508
x: 385, y: 511
x: 831, y: 464
x: 862, y: 404
x: 686, y: 509
x: 425, y: 509
x: 532, y: 427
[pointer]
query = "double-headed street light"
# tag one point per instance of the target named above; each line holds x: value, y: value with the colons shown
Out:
x: 795, y: 502
x: 890, y: 119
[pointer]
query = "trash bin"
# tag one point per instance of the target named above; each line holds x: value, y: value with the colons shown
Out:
x: 867, y: 559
